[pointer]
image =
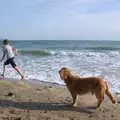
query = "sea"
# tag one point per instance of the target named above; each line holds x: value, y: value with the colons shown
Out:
x: 40, y: 60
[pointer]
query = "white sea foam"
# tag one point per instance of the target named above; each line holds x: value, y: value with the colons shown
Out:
x: 84, y: 62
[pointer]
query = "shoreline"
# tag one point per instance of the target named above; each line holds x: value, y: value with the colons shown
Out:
x: 35, y: 81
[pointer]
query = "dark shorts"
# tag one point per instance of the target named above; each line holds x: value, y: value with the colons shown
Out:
x: 10, y: 61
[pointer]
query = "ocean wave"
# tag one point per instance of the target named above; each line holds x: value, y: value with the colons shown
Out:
x: 66, y: 53
x: 48, y: 52
x: 98, y: 48
x: 35, y: 52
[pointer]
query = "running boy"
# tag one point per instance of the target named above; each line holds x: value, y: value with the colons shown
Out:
x: 9, y: 54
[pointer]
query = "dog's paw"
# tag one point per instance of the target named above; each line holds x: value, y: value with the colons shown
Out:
x: 74, y: 105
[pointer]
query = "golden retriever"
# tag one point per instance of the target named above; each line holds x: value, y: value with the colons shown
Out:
x: 77, y: 85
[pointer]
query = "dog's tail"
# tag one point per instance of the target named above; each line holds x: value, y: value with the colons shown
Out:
x: 109, y: 94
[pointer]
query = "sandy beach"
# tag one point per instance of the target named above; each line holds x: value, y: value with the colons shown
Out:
x: 22, y: 100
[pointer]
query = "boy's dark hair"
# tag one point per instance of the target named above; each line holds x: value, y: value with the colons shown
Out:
x: 6, y: 42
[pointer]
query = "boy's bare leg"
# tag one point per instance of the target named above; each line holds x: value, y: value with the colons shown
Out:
x: 4, y: 69
x: 18, y: 71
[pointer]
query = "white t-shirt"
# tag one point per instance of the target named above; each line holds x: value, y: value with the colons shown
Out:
x: 7, y: 49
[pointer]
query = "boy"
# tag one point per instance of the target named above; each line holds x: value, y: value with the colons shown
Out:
x: 9, y: 53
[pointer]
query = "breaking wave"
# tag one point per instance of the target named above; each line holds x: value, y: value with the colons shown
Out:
x: 35, y: 52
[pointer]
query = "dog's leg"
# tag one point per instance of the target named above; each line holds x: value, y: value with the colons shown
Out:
x: 74, y: 96
x: 99, y: 102
x: 109, y: 94
x: 75, y: 104
x: 100, y: 96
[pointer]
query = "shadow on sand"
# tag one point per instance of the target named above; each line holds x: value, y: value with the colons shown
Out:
x: 44, y: 106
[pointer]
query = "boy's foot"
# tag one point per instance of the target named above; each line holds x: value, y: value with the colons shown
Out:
x: 22, y: 77
x: 2, y: 75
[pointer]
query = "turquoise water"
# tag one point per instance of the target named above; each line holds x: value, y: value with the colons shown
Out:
x: 67, y: 45
x: 41, y: 60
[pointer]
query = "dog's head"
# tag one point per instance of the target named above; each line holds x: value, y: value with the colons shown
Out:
x: 65, y: 73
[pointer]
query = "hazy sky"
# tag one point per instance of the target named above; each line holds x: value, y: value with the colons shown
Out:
x: 60, y: 19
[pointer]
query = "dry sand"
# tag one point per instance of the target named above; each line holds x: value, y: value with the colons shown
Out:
x: 22, y: 100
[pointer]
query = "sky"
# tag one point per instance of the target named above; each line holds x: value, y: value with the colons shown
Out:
x: 60, y: 19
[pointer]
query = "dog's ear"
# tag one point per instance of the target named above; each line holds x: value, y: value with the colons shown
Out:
x: 63, y: 74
